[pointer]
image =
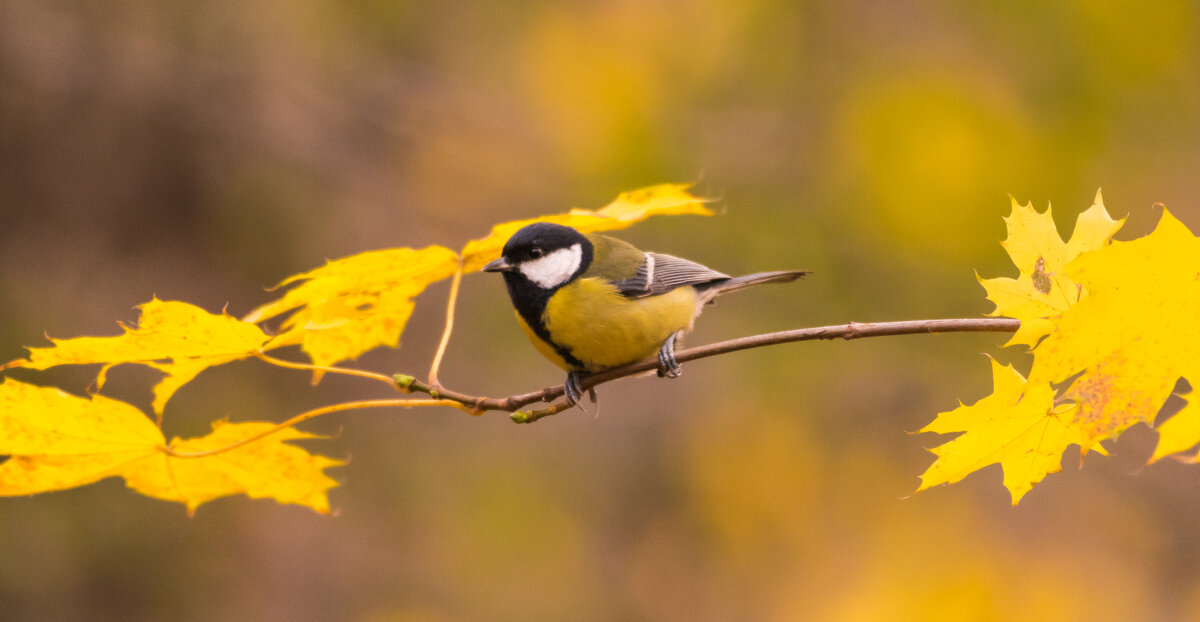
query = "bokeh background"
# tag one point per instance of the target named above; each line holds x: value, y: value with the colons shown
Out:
x: 204, y: 151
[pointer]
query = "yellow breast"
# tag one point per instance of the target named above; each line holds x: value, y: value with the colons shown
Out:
x: 603, y: 329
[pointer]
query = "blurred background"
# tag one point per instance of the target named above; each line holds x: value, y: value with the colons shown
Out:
x: 205, y: 151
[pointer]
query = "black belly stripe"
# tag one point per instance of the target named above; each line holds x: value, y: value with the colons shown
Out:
x: 565, y: 353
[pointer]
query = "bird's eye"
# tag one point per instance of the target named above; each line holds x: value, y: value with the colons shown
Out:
x: 535, y: 253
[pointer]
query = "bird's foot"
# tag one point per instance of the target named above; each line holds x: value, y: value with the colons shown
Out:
x: 573, y: 391
x: 667, y: 365
x: 571, y: 387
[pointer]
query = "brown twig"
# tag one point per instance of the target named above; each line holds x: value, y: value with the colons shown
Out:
x: 477, y: 405
x: 853, y: 330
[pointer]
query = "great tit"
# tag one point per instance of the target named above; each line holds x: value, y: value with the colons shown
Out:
x: 591, y: 302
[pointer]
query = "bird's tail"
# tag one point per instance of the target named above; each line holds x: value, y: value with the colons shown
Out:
x: 742, y: 282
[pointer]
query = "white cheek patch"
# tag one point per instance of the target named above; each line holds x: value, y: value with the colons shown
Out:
x: 555, y: 268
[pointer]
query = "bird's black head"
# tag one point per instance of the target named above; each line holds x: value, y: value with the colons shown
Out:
x: 536, y: 261
x: 543, y: 256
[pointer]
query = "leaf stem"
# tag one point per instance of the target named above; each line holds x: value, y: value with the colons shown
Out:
x: 348, y: 371
x: 451, y: 302
x: 305, y: 416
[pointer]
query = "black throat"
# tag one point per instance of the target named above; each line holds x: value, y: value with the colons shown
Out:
x: 530, y: 299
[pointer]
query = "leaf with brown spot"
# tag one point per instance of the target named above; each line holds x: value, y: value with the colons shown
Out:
x: 1043, y: 290
x: 1134, y: 334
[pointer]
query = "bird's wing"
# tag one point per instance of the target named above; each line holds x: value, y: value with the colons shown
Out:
x: 661, y: 273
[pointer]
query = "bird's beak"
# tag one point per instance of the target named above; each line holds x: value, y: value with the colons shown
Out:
x: 500, y: 265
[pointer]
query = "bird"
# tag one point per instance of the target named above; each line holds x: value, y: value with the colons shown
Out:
x: 591, y: 302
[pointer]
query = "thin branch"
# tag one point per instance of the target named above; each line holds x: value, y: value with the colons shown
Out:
x: 476, y: 405
x: 853, y: 330
x: 450, y: 304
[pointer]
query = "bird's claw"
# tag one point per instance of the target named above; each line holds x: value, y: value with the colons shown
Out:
x: 573, y: 390
x: 667, y: 365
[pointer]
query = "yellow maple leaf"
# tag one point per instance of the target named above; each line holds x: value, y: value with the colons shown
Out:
x: 56, y: 440
x: 1133, y: 336
x: 628, y: 208
x: 356, y: 303
x: 268, y: 468
x: 1042, y: 290
x: 176, y: 338
x: 1018, y: 426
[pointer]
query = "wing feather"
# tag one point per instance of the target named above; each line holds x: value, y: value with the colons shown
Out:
x: 660, y: 273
